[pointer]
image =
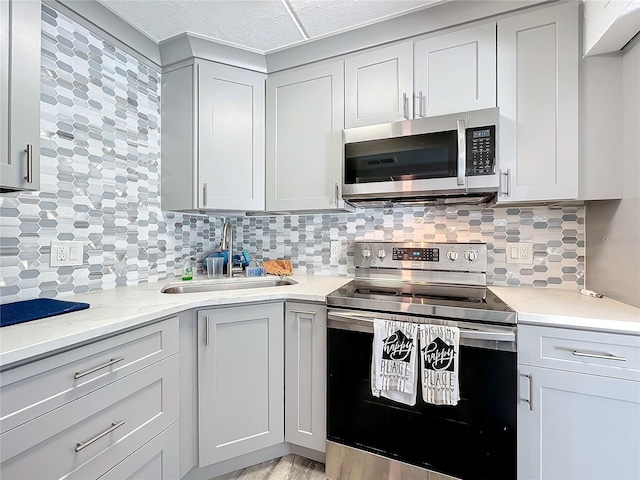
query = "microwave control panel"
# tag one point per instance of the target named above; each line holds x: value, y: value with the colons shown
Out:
x: 481, y: 151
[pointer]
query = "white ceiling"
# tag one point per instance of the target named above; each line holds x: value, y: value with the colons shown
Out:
x: 260, y: 25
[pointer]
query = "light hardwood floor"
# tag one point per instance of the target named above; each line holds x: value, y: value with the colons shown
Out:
x: 289, y: 467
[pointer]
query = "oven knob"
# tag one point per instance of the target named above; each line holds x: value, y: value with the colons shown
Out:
x: 366, y: 252
x: 452, y: 255
x: 381, y: 254
x: 470, y: 255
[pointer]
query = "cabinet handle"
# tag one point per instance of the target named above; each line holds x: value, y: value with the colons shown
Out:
x: 604, y: 356
x: 114, y: 425
x: 420, y: 105
x: 99, y: 367
x: 462, y: 152
x: 530, y: 399
x: 303, y: 312
x: 29, y: 176
x: 506, y: 174
x: 204, y: 194
x: 206, y: 330
x: 405, y: 106
x: 337, y: 194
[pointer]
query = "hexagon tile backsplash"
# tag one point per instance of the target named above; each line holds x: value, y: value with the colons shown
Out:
x: 100, y: 155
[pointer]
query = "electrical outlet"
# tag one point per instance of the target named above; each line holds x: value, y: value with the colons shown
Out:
x: 65, y: 254
x: 520, y: 253
x: 336, y: 249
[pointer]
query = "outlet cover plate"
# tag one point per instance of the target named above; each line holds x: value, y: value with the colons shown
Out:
x: 520, y: 253
x: 66, y: 253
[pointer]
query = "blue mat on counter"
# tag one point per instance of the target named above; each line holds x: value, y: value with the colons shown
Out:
x: 27, y: 310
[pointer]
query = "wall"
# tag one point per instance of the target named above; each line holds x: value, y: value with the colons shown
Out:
x: 100, y: 129
x: 557, y: 236
x: 613, y: 233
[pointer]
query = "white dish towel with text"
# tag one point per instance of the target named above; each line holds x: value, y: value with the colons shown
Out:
x: 439, y: 355
x: 394, y: 364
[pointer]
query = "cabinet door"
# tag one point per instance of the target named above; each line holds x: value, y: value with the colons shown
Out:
x: 456, y: 72
x: 240, y: 380
x: 305, y: 118
x: 573, y: 426
x: 379, y: 86
x: 19, y: 95
x: 538, y: 100
x: 230, y: 137
x: 305, y: 375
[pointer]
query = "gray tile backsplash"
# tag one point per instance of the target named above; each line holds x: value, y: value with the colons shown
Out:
x: 557, y: 236
x: 100, y: 129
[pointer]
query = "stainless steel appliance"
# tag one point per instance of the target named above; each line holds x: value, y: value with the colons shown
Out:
x: 446, y: 159
x: 370, y: 438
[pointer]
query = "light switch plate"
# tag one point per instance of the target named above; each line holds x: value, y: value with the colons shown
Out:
x: 338, y: 249
x: 520, y: 253
x: 66, y: 253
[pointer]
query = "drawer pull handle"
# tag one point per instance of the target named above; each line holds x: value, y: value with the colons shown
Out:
x: 114, y: 425
x: 304, y: 312
x: 99, y: 367
x: 604, y: 356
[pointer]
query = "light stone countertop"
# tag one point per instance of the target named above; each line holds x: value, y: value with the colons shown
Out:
x: 124, y: 307
x: 556, y: 307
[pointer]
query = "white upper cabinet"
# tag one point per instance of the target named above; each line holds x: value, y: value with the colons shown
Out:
x: 456, y: 72
x: 19, y: 95
x: 305, y: 118
x: 437, y: 75
x: 379, y: 86
x: 214, y: 158
x: 538, y: 100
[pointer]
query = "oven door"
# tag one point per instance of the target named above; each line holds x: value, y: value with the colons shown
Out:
x: 474, y: 439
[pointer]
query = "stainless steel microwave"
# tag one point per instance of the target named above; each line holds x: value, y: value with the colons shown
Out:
x: 449, y: 158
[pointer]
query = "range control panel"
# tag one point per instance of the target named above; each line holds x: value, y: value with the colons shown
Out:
x: 481, y: 151
x: 457, y: 257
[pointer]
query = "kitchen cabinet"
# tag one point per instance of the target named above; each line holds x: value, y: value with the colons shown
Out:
x: 379, y: 86
x: 437, y: 75
x: 80, y: 413
x: 456, y: 72
x: 305, y: 118
x: 240, y: 380
x: 538, y: 56
x: 609, y: 26
x: 157, y: 459
x: 19, y: 95
x: 305, y: 375
x: 579, y: 408
x: 213, y: 147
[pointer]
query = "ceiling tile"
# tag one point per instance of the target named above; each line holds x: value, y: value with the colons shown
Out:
x: 261, y: 25
x: 328, y: 16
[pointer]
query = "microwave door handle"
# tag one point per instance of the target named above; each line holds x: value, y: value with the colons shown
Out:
x: 462, y: 153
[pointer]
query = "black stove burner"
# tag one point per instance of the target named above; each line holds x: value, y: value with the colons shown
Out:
x: 447, y: 298
x: 372, y: 291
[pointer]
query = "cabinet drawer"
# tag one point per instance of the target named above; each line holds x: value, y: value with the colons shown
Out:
x: 87, y: 437
x: 39, y: 387
x: 156, y: 460
x: 595, y: 353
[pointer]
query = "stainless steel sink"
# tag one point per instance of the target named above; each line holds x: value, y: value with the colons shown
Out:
x: 215, y: 285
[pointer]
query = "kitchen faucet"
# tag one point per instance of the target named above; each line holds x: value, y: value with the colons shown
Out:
x: 227, y: 244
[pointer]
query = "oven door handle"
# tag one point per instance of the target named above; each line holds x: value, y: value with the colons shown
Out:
x: 364, y: 323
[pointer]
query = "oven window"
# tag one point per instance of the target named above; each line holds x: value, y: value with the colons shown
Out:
x: 475, y: 439
x: 416, y: 157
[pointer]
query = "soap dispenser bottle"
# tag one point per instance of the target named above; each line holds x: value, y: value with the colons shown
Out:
x: 187, y: 268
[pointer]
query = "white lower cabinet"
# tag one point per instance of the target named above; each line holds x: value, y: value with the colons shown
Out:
x: 240, y: 380
x: 574, y: 425
x: 157, y: 459
x: 305, y: 375
x: 94, y: 429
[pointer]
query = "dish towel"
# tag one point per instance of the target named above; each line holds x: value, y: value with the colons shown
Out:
x: 439, y: 356
x: 394, y: 365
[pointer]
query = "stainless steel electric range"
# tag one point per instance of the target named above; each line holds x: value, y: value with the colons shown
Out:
x: 371, y: 438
